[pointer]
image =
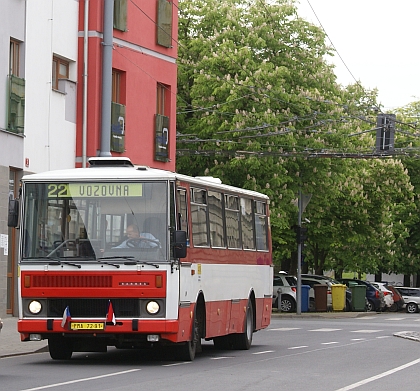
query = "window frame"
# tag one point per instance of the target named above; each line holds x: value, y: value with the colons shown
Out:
x: 14, y: 57
x: 56, y: 71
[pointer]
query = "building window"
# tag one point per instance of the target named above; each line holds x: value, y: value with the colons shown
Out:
x: 164, y: 23
x: 14, y: 58
x: 117, y: 113
x: 162, y: 123
x: 120, y: 15
x: 116, y: 86
x: 60, y: 70
x: 160, y: 99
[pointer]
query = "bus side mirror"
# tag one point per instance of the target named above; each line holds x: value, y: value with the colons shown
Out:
x: 180, y: 244
x: 13, y: 216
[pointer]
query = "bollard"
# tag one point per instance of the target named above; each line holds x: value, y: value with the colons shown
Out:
x: 279, y: 299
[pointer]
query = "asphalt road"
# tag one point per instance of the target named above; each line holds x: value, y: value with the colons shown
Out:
x: 295, y: 353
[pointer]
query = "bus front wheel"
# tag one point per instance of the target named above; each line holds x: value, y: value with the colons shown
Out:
x: 186, y: 351
x: 60, y: 348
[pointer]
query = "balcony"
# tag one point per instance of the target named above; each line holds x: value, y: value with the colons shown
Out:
x: 16, y: 109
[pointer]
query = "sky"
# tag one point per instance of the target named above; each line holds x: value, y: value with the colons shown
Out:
x: 377, y: 40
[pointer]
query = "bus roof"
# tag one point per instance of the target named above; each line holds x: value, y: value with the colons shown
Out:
x: 124, y: 172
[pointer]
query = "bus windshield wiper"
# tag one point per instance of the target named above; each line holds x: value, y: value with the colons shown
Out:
x: 59, y: 262
x: 100, y: 260
x: 117, y: 257
x: 142, y: 263
x: 51, y: 261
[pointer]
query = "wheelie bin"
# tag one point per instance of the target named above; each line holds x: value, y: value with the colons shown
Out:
x: 358, y: 297
x: 338, y: 293
x: 305, y: 298
x: 320, y: 291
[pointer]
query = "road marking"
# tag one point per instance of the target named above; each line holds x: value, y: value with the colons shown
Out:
x: 219, y: 358
x: 297, y: 347
x: 325, y: 330
x: 81, y: 380
x: 358, y: 339
x: 266, y: 351
x: 369, y: 317
x: 373, y: 378
x: 328, y: 343
x: 285, y: 329
x: 366, y: 331
x: 383, y: 336
x: 395, y: 319
x: 176, y: 364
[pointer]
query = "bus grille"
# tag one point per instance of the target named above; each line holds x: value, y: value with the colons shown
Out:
x: 93, y: 308
x: 73, y: 281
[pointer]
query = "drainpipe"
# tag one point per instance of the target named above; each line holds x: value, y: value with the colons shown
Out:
x: 85, y: 82
x: 107, y: 78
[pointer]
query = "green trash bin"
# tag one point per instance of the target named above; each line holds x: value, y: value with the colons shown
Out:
x: 358, y: 297
x: 338, y: 293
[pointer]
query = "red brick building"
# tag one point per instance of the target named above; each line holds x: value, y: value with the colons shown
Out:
x: 144, y: 74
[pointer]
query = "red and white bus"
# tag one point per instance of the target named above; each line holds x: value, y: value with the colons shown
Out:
x: 198, y: 268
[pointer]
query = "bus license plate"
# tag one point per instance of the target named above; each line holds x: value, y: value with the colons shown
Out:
x: 86, y: 326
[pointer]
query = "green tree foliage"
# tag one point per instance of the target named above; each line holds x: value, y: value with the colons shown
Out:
x: 259, y: 107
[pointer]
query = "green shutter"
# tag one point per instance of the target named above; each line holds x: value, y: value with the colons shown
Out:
x: 120, y: 15
x: 164, y: 23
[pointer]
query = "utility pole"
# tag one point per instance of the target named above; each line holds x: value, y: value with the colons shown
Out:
x: 303, y: 201
x: 107, y: 78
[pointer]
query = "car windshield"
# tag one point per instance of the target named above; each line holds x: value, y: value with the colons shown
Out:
x: 82, y: 222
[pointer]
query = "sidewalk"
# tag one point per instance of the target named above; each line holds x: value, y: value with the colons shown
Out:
x: 10, y: 343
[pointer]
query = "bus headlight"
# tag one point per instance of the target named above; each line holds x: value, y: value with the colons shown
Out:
x: 152, y: 307
x: 35, y: 307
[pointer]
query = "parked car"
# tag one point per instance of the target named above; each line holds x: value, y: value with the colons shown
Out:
x: 388, y: 295
x: 411, y: 298
x: 312, y: 279
x: 374, y: 297
x: 398, y: 299
x: 284, y: 286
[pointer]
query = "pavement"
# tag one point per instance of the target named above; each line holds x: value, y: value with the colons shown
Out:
x: 11, y: 345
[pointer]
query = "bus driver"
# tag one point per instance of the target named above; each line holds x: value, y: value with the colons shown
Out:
x: 137, y: 239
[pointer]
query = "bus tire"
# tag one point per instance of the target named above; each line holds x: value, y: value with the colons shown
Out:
x: 186, y: 351
x: 60, y: 348
x: 243, y: 341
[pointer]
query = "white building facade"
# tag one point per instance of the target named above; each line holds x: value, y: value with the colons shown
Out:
x: 38, y: 101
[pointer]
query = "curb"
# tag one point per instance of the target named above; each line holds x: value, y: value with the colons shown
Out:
x: 331, y: 314
x: 411, y: 335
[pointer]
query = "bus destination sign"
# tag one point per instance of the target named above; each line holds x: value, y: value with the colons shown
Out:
x: 94, y: 190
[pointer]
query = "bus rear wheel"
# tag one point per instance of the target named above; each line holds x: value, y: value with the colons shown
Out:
x: 243, y: 341
x: 60, y: 348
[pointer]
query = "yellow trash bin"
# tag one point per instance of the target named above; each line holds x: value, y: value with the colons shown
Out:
x: 338, y: 293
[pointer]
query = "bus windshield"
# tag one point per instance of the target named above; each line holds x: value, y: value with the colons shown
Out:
x: 95, y: 221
